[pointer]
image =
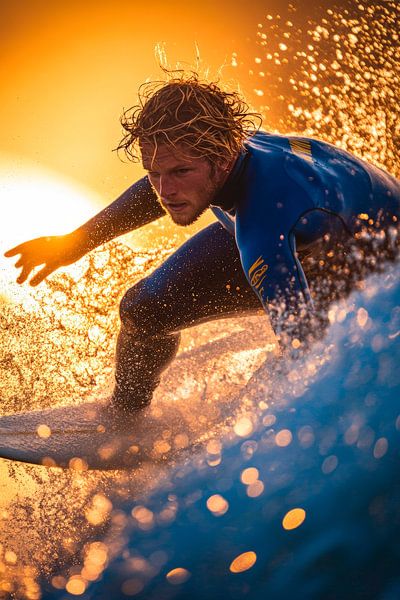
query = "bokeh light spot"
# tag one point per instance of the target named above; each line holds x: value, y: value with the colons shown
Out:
x: 217, y: 505
x: 144, y: 517
x: 131, y: 587
x: 58, y: 582
x: 243, y: 427
x: 43, y: 431
x: 269, y: 420
x: 214, y: 447
x: 255, y: 489
x: 380, y: 448
x: 306, y: 436
x: 243, y: 562
x: 362, y: 317
x: 178, y: 576
x: 249, y: 475
x: 99, y: 510
x: 329, y: 465
x: 76, y: 586
x: 294, y: 518
x: 78, y: 464
x: 283, y: 438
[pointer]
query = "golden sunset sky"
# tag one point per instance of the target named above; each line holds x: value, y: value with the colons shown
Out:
x: 68, y: 69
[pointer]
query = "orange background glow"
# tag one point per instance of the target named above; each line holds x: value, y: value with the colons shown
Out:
x: 68, y: 70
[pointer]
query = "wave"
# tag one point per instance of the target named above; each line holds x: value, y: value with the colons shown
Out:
x: 305, y: 500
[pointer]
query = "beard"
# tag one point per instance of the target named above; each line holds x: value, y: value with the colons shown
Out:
x: 196, y: 210
x: 184, y: 220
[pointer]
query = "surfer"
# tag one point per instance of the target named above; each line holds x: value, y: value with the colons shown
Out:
x: 299, y: 223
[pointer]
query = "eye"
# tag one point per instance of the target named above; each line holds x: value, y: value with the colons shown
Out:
x: 183, y: 170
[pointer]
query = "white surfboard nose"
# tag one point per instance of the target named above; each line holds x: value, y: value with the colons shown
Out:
x: 86, y: 436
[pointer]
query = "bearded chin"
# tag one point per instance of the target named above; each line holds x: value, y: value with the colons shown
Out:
x: 210, y: 193
x: 185, y: 221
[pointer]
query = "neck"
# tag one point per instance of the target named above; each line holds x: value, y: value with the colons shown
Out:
x: 229, y: 184
x: 226, y: 170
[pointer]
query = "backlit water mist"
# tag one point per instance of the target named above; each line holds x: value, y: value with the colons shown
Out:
x: 336, y: 79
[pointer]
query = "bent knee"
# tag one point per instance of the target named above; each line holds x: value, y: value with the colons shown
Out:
x: 138, y: 310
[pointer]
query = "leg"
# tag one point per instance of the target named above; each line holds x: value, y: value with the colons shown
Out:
x: 203, y: 280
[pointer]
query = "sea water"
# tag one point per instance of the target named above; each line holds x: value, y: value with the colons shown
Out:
x: 336, y: 78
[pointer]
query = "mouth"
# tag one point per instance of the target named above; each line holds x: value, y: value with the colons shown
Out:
x: 175, y: 206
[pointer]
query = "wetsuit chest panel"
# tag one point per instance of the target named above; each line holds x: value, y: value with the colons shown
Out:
x: 265, y: 220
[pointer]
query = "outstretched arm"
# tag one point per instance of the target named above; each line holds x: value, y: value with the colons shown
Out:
x: 136, y: 207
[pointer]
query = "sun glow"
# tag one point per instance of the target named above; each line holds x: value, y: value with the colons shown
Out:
x: 36, y: 202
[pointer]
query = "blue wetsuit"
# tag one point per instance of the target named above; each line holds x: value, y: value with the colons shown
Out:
x: 286, y: 195
x: 300, y: 222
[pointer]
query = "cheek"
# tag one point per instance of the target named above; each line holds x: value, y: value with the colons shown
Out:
x: 211, y: 187
x: 202, y: 185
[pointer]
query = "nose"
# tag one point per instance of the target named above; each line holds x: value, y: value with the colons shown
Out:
x: 167, y: 187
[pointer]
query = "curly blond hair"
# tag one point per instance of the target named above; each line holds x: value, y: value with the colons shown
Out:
x: 198, y: 115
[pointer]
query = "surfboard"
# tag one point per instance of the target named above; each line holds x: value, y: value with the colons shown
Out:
x: 89, y: 436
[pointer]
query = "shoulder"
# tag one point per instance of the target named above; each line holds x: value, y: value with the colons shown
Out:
x: 266, y: 156
x: 271, y: 171
x: 278, y: 158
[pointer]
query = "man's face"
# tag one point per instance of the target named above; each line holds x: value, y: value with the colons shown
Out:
x: 186, y: 185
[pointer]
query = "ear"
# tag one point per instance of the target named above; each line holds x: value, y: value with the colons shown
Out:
x: 225, y: 163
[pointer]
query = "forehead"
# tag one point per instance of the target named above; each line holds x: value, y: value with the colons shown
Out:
x: 166, y: 156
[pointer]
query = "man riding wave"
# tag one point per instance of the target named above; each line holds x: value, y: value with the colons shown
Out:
x: 299, y: 223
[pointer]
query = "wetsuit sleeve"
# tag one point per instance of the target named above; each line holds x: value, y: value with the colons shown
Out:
x: 274, y: 271
x: 276, y: 276
x: 267, y: 247
x: 137, y: 206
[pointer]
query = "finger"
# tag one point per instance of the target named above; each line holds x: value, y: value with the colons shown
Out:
x: 42, y: 274
x: 13, y: 251
x: 23, y: 276
x: 21, y: 263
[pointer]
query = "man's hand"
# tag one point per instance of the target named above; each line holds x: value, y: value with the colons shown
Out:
x: 51, y: 252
